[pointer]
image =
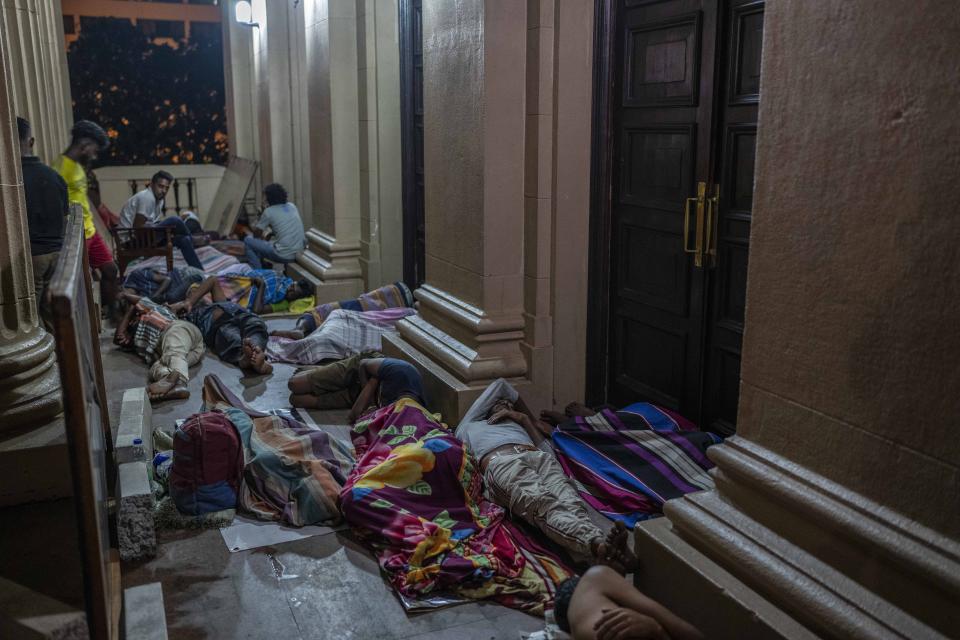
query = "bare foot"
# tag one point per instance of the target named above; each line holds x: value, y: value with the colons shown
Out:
x: 258, y: 361
x: 168, y: 388
x: 577, y: 409
x: 293, y: 334
x: 618, y: 555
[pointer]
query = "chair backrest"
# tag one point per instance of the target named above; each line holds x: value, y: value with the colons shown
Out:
x: 236, y: 181
x: 76, y: 329
x: 142, y: 242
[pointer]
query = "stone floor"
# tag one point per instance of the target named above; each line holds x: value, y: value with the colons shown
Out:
x: 316, y: 588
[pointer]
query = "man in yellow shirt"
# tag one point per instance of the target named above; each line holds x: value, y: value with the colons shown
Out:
x: 87, y: 140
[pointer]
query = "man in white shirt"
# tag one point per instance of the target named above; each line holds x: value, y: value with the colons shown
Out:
x: 145, y: 208
x: 283, y: 220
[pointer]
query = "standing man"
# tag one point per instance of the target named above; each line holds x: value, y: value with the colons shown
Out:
x: 145, y: 208
x: 87, y: 140
x: 283, y: 219
x: 46, y: 195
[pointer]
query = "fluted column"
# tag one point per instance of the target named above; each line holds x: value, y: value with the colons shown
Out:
x: 37, y: 70
x: 29, y: 384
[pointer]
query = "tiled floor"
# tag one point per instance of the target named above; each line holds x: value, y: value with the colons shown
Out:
x: 317, y: 588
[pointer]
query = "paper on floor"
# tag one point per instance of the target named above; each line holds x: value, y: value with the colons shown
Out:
x: 247, y: 533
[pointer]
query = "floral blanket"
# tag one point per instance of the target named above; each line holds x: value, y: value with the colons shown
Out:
x: 415, y: 497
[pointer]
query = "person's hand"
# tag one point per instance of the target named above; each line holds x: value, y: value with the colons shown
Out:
x: 553, y: 417
x: 627, y: 624
x: 506, y: 414
x: 121, y: 338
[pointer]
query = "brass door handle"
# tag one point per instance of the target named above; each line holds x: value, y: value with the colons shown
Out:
x: 697, y: 251
x: 713, y: 217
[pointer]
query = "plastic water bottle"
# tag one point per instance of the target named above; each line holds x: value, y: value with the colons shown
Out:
x: 138, y: 453
x: 161, y: 465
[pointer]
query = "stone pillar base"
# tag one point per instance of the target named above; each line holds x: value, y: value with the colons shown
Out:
x: 838, y: 564
x: 460, y: 349
x: 30, y: 388
x: 332, y: 267
x: 446, y: 394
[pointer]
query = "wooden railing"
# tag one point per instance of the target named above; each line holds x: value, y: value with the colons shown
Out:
x: 76, y: 323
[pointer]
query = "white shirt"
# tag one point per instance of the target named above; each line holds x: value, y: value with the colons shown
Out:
x: 143, y: 203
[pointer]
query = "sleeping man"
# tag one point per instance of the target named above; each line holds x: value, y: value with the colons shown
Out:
x: 500, y: 431
x: 236, y: 335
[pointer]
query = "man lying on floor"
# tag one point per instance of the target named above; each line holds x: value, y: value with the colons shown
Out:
x: 391, y: 296
x: 602, y: 605
x: 529, y: 482
x: 162, y: 286
x: 261, y: 289
x: 335, y: 385
x: 236, y: 335
x: 169, y: 345
x: 415, y: 498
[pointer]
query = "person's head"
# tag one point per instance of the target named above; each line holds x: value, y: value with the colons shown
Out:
x: 25, y: 134
x: 500, y: 405
x: 561, y: 603
x: 87, y: 140
x: 299, y: 289
x: 160, y: 184
x: 274, y: 194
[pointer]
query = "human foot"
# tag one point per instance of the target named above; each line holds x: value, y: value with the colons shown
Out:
x: 619, y: 554
x: 168, y: 388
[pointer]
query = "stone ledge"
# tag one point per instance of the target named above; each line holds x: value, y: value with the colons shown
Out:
x: 144, y: 616
x: 136, y: 421
x: 25, y: 462
x: 29, y: 615
x: 135, y: 527
x: 697, y: 589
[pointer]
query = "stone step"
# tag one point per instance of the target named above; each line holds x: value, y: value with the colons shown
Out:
x: 34, y: 465
x: 29, y: 615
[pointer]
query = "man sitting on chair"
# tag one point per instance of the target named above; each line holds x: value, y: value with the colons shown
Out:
x: 145, y: 209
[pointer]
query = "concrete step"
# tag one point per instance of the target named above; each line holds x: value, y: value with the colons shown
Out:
x: 34, y: 465
x: 29, y: 615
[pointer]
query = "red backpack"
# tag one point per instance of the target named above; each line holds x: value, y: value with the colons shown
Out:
x: 207, y: 464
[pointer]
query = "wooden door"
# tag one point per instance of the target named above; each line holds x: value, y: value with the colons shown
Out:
x: 735, y: 144
x: 661, y: 117
x: 411, y: 105
x: 673, y: 202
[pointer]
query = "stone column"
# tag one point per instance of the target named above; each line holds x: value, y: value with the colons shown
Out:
x: 32, y: 31
x: 332, y: 260
x: 471, y: 321
x: 29, y: 384
x: 381, y: 202
x: 836, y: 509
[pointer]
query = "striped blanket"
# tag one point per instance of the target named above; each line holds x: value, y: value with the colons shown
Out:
x: 344, y: 334
x: 292, y: 473
x: 388, y: 297
x: 626, y: 464
x: 213, y: 261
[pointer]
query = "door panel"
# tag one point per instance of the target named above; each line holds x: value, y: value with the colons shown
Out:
x: 661, y: 131
x: 676, y: 329
x: 727, y: 284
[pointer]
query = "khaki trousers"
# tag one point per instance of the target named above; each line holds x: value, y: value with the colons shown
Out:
x: 532, y: 486
x: 181, y: 347
x: 43, y: 268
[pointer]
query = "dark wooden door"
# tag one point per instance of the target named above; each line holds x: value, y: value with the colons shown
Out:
x: 732, y: 177
x: 411, y: 107
x: 661, y: 150
x: 684, y: 88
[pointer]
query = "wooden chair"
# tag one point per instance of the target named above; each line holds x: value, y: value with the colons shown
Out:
x: 142, y: 242
x: 87, y: 422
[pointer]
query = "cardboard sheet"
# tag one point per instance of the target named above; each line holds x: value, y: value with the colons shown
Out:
x: 248, y: 533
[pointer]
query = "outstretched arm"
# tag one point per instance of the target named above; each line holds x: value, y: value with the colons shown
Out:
x: 120, y: 336
x: 363, y: 400
x: 211, y: 285
x: 164, y: 285
x: 258, y: 299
